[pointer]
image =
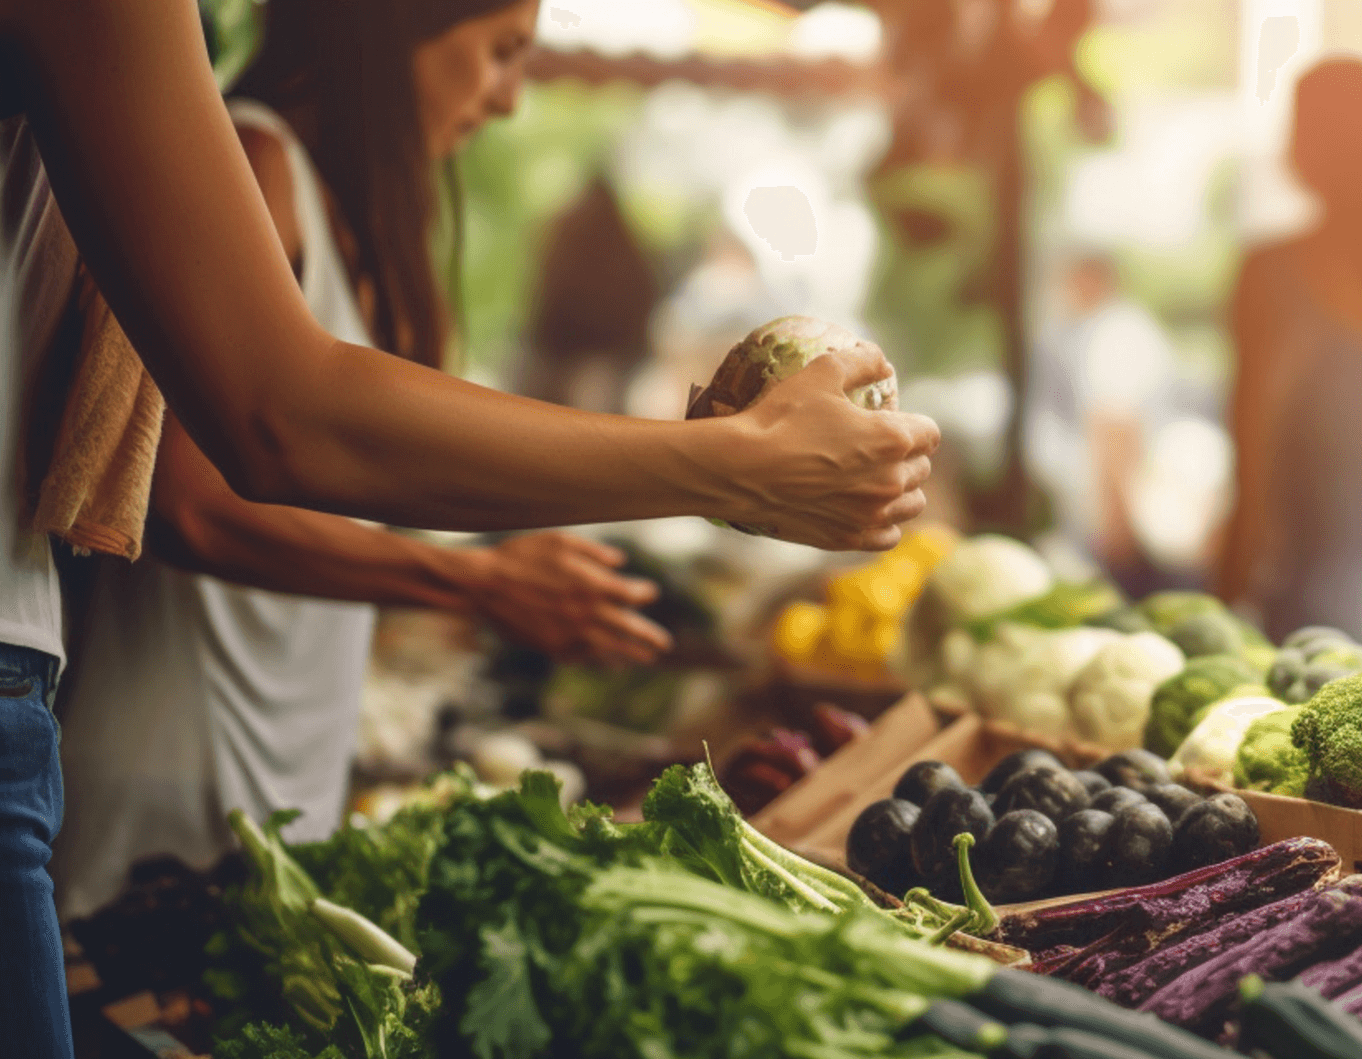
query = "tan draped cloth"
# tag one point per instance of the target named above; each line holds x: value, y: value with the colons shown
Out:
x: 97, y: 486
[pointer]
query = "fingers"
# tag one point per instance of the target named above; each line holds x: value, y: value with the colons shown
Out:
x: 628, y: 625
x: 601, y: 553
x: 856, y: 367
x: 916, y: 433
x: 906, y: 508
x: 589, y: 577
x: 878, y: 540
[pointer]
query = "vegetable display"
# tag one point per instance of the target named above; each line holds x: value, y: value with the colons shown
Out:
x: 1040, y: 833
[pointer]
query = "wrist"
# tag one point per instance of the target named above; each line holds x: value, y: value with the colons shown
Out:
x: 717, y: 472
x: 459, y: 577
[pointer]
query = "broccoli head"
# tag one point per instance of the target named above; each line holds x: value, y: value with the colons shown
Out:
x: 1176, y: 701
x: 1267, y: 759
x: 1329, y: 731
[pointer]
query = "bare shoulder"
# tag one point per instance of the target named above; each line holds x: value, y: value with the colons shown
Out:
x: 270, y: 163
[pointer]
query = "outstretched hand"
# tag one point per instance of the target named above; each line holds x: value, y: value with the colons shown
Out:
x: 827, y: 473
x: 563, y: 595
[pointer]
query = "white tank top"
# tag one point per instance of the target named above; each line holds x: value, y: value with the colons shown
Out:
x: 191, y: 696
x: 30, y: 289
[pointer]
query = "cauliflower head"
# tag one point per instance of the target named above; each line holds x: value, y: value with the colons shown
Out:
x: 1110, y: 697
x: 1267, y: 759
x: 1329, y: 732
x: 988, y: 574
x: 1024, y: 676
x: 1213, y: 745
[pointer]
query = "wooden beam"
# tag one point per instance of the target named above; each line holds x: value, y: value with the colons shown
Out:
x: 787, y: 78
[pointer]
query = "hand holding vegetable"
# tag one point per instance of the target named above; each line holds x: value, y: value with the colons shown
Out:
x: 561, y: 594
x: 822, y: 467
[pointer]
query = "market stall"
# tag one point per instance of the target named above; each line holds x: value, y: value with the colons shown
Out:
x: 1094, y: 826
x: 937, y: 802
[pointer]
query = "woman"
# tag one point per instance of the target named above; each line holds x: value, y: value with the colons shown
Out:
x: 190, y: 696
x: 1293, y: 550
x: 114, y: 103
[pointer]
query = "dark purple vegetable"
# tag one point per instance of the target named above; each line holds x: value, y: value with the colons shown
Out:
x: 1082, y: 850
x: 1335, y: 978
x: 1221, y: 827
x: 1139, y: 847
x: 1157, y: 958
x: 1115, y: 799
x: 947, y: 813
x: 1051, y: 791
x: 1351, y: 1002
x: 1094, y: 783
x: 1174, y: 799
x: 924, y: 779
x: 1328, y: 925
x: 1260, y: 876
x: 1005, y: 769
x: 1136, y: 769
x: 1018, y: 856
x: 879, y: 845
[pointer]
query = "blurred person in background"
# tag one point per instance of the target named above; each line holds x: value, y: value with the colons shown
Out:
x: 1100, y: 387
x: 1292, y: 554
x: 192, y: 695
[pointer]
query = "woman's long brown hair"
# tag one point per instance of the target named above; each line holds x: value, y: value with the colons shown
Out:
x: 341, y: 69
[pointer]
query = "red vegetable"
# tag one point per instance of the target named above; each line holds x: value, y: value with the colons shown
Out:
x: 834, y: 727
x: 1201, y: 999
x: 1256, y: 878
x: 762, y: 768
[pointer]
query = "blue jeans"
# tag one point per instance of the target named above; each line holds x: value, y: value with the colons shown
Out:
x: 34, y: 1018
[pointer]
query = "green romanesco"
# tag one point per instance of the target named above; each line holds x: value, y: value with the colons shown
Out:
x: 1267, y: 759
x: 1329, y: 731
x: 1176, y: 701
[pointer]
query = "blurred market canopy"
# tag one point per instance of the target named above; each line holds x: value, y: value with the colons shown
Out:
x: 716, y: 29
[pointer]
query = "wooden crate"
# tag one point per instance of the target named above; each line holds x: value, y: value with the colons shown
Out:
x: 897, y: 733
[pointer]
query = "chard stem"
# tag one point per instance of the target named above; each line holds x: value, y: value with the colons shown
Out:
x: 805, y: 892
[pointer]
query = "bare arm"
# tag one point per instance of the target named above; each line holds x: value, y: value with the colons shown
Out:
x: 550, y: 590
x: 161, y: 201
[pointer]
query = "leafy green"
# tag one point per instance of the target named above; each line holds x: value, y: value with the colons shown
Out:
x: 380, y: 872
x: 687, y: 934
x: 333, y: 995
x: 659, y: 939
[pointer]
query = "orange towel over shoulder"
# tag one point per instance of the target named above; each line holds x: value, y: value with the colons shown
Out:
x: 97, y: 488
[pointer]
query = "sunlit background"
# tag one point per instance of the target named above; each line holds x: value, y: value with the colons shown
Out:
x: 682, y: 170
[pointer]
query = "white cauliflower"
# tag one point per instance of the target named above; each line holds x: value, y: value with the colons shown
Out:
x: 1110, y: 698
x: 1211, y: 747
x: 987, y: 574
x: 1024, y: 674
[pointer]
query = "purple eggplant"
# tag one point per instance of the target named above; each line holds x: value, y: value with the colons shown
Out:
x: 1132, y: 982
x: 1335, y: 978
x: 1329, y: 924
x: 1260, y: 876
